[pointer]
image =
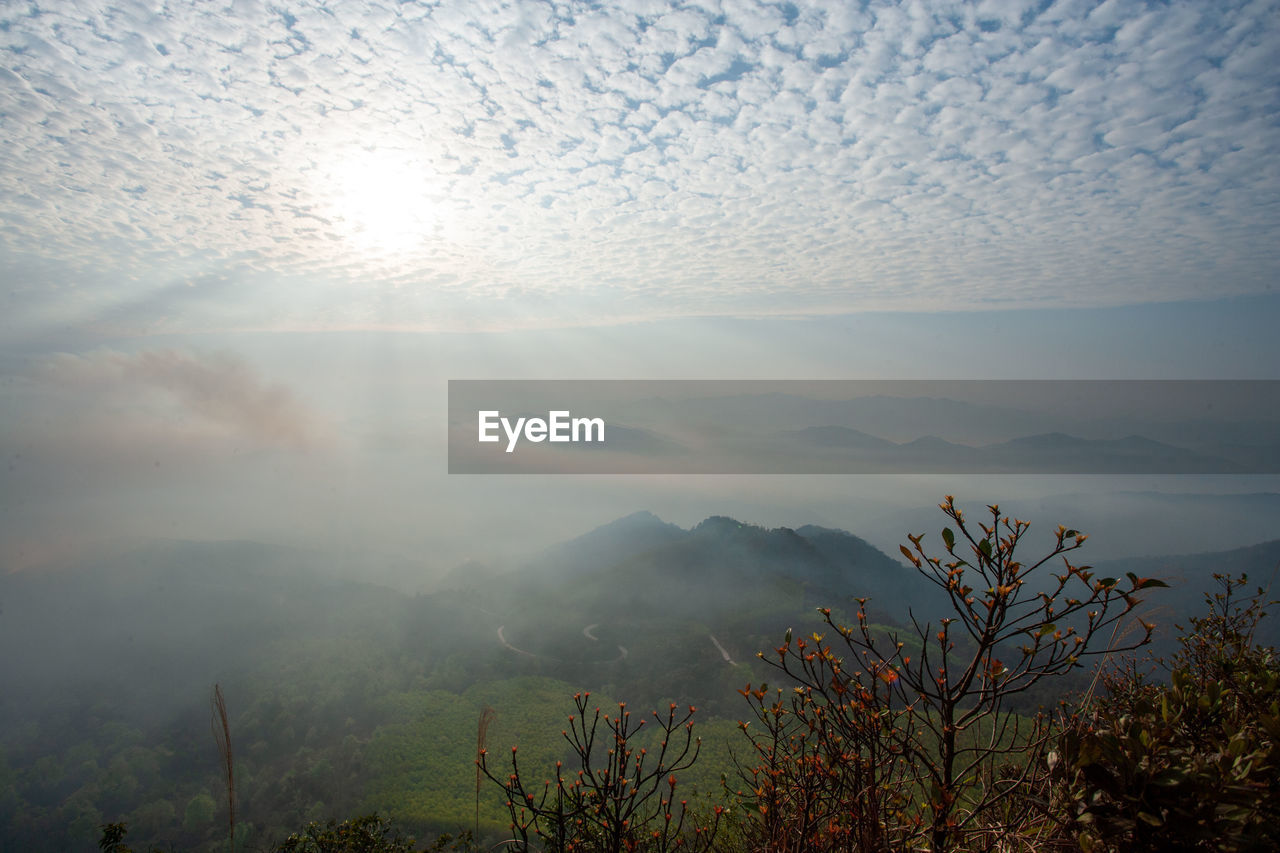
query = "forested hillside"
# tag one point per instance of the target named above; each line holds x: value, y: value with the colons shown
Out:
x: 346, y: 698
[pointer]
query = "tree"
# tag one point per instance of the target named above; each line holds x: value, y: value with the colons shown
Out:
x: 614, y: 794
x: 199, y: 813
x: 112, y: 840
x: 892, y: 739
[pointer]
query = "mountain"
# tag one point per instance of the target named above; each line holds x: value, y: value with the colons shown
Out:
x: 715, y: 567
x: 346, y: 696
x: 899, y: 417
x: 844, y: 449
x: 891, y: 586
x: 745, y: 583
x: 639, y: 603
x: 1058, y: 452
x: 836, y: 436
x: 168, y: 619
x: 1191, y: 577
x: 609, y: 543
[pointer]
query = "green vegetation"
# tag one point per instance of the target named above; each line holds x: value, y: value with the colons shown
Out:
x: 366, y: 834
x: 867, y: 751
x: 906, y: 740
x: 1189, y: 762
x: 882, y: 729
x: 618, y: 789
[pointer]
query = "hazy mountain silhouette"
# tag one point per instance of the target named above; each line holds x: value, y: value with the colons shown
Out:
x: 609, y: 543
x: 741, y: 582
x: 1053, y: 452
x: 850, y: 449
x: 167, y: 619
x: 1190, y: 577
x: 837, y: 436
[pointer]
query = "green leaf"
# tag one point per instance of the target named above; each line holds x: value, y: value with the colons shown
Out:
x: 985, y: 547
x: 1169, y: 778
x: 949, y: 538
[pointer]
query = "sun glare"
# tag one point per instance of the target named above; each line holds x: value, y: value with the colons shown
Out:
x: 386, y: 201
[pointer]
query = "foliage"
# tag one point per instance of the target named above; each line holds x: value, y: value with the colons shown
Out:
x: 615, y: 794
x: 903, y: 741
x: 366, y: 834
x: 422, y: 761
x: 112, y: 840
x: 1191, y: 764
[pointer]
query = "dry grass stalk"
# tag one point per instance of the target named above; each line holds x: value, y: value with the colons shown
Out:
x: 482, y: 735
x: 222, y: 736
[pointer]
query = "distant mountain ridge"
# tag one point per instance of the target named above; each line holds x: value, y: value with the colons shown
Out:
x: 719, y: 569
x: 1051, y: 452
x: 745, y: 577
x: 192, y: 612
x: 787, y: 431
x: 621, y: 538
x: 1190, y: 578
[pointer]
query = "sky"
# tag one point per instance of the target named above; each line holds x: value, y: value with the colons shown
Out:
x: 245, y: 245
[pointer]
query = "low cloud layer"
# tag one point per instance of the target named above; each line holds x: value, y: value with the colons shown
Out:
x: 420, y: 163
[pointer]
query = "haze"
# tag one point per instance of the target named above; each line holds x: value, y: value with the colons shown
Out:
x: 244, y: 246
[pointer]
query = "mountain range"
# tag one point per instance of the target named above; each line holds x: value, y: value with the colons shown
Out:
x: 725, y: 432
x: 172, y: 617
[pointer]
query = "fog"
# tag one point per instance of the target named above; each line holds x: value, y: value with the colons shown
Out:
x: 272, y: 512
x: 336, y: 441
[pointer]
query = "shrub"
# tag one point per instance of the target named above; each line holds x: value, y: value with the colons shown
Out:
x: 1187, y: 764
x: 365, y: 834
x: 890, y: 740
x: 614, y: 794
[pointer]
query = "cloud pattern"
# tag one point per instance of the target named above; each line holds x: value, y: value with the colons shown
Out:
x: 640, y: 158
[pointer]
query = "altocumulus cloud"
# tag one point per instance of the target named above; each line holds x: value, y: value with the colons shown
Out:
x: 646, y: 158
